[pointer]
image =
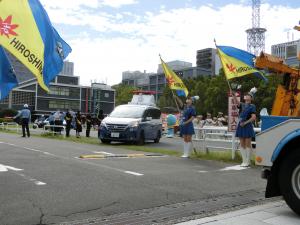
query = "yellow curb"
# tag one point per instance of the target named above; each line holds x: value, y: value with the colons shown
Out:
x: 135, y: 155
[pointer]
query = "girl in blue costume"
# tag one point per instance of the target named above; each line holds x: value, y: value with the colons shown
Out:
x: 187, y: 127
x: 245, y: 130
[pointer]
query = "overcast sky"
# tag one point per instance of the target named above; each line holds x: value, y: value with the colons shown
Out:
x: 112, y: 36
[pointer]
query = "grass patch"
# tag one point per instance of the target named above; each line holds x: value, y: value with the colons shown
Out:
x: 153, y: 150
x: 82, y: 140
x: 222, y: 156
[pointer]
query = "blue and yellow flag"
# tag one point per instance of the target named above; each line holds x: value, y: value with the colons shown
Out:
x: 8, y: 78
x: 174, y: 82
x: 26, y: 32
x: 237, y: 63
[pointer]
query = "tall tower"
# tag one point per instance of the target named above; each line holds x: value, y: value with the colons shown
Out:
x: 256, y: 35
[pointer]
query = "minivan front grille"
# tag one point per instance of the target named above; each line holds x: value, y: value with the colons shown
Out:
x: 116, y: 127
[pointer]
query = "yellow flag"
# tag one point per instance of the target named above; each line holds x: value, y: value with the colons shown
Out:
x: 174, y: 82
x: 234, y: 67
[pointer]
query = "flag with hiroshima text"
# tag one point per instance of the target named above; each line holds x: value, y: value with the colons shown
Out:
x: 27, y: 33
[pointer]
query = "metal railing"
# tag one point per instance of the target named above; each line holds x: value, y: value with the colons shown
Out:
x: 10, y: 125
x: 52, y: 129
x: 216, y: 138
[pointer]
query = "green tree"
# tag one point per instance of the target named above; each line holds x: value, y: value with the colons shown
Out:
x: 123, y: 93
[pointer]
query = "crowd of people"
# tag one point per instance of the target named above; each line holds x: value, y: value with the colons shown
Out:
x: 58, y: 119
x: 220, y: 120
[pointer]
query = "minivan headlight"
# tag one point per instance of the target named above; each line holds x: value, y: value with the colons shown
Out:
x: 134, y: 124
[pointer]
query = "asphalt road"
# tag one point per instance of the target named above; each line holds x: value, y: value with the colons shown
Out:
x: 43, y: 181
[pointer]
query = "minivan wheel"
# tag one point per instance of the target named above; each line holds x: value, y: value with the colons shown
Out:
x: 141, y: 140
x: 104, y: 141
x: 289, y: 180
x: 156, y: 140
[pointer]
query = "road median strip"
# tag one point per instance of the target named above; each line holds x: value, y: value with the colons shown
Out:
x: 105, y: 156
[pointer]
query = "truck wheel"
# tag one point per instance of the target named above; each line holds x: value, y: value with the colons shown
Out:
x: 156, y: 140
x: 104, y: 141
x: 141, y: 140
x: 289, y: 180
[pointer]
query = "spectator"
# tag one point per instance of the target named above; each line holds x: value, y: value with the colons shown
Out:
x: 57, y: 121
x: 208, y: 120
x: 198, y: 124
x: 25, y: 116
x: 221, y: 120
x: 215, y: 121
x: 78, y: 121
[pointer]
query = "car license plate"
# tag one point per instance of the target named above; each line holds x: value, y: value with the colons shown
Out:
x: 115, y: 135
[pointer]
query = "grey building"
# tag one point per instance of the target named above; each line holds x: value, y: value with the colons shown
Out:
x: 175, y: 65
x: 68, y: 69
x: 208, y: 59
x: 157, y: 82
x: 65, y: 93
x: 287, y: 51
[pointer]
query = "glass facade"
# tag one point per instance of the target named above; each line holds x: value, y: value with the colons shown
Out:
x: 63, y: 91
x: 63, y: 104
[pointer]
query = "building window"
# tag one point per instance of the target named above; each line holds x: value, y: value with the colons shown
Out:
x: 55, y: 104
x: 63, y: 91
x: 106, y: 95
x: 20, y: 98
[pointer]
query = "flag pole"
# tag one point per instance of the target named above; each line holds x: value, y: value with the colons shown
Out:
x: 175, y: 100
x: 230, y: 89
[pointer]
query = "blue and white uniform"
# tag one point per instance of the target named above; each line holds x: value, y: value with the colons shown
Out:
x: 246, y: 131
x: 188, y: 129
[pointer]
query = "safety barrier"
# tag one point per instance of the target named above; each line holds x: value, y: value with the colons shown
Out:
x: 51, y: 129
x: 216, y: 138
x: 9, y: 126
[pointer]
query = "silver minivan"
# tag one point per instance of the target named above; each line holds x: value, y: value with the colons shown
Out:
x: 132, y: 123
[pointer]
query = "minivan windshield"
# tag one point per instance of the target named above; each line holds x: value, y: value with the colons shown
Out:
x: 126, y: 111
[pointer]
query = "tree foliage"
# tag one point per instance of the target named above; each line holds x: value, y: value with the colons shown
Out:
x: 213, y: 92
x: 123, y: 93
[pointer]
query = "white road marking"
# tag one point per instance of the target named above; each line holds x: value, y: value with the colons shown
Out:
x: 34, y: 150
x: 47, y: 153
x: 35, y: 181
x: 78, y: 160
x: 202, y: 171
x: 39, y: 183
x: 238, y: 167
x: 4, y: 168
x: 229, y: 168
x: 134, y: 173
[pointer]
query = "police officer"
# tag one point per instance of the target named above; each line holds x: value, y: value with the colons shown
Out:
x: 25, y: 116
x: 68, y: 119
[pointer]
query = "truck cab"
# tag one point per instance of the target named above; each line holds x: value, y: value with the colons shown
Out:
x: 278, y: 151
x: 136, y: 122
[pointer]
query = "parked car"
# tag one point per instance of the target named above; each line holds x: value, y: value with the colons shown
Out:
x: 132, y: 123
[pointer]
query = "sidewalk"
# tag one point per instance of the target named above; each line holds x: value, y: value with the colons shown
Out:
x: 275, y: 213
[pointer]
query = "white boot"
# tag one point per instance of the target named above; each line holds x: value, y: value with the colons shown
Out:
x: 244, y: 157
x: 189, y: 148
x: 185, y: 150
x: 248, y: 156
